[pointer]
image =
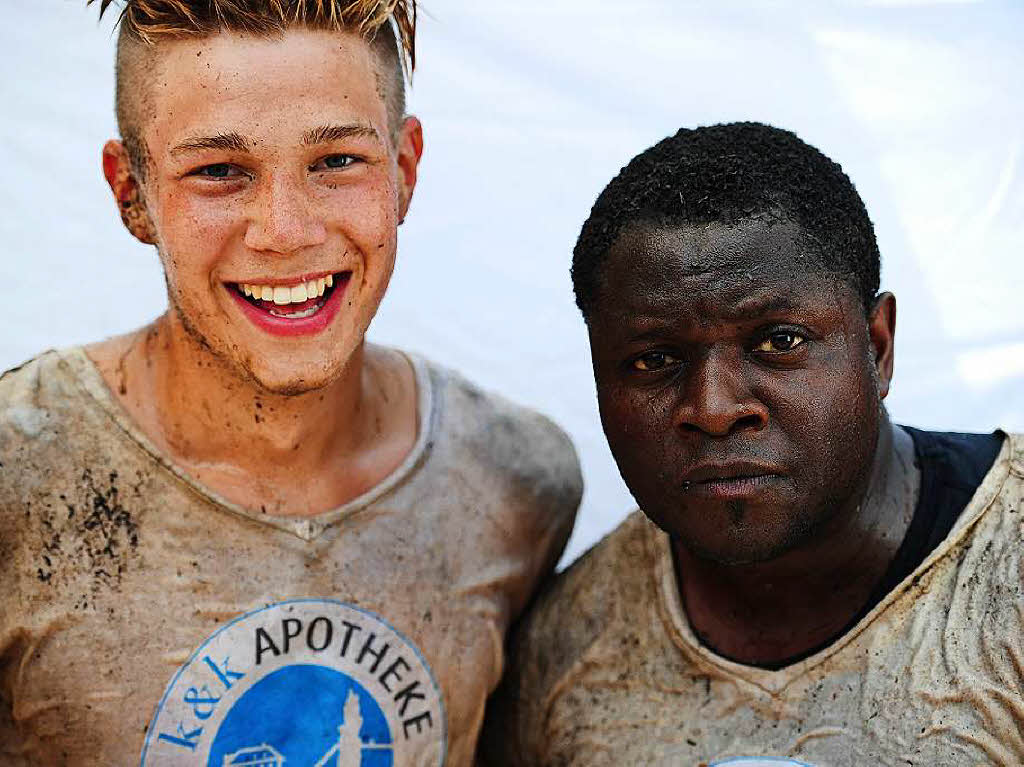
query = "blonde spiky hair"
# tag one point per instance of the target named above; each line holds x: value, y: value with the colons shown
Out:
x: 150, y: 19
x: 389, y: 26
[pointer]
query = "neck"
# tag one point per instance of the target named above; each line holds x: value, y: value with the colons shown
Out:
x: 284, y: 454
x: 767, y: 612
x: 212, y: 414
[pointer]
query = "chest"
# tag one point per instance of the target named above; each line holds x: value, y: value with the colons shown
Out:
x: 121, y: 611
x: 931, y: 681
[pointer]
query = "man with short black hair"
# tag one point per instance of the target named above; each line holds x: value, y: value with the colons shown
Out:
x: 242, y: 535
x: 807, y: 583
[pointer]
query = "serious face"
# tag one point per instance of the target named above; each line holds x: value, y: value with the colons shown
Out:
x: 737, y: 383
x: 274, y: 190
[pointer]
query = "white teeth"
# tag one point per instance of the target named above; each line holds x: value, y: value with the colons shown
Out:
x: 296, y: 315
x: 287, y: 294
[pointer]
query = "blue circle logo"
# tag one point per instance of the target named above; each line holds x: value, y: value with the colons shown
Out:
x: 759, y: 761
x: 304, y: 715
x: 305, y: 683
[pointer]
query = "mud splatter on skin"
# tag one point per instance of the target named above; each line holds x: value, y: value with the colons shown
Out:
x: 89, y: 535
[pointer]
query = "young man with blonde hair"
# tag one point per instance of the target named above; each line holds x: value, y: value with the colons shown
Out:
x: 242, y: 534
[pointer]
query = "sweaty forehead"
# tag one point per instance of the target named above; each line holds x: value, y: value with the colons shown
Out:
x: 653, y: 266
x: 253, y: 84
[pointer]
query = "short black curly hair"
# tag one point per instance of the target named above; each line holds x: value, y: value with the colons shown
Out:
x: 726, y: 173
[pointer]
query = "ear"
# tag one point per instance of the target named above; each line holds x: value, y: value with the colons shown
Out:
x: 410, y: 150
x: 117, y: 169
x: 882, y: 331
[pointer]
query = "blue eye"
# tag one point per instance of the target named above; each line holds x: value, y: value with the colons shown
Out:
x: 218, y: 171
x: 334, y: 162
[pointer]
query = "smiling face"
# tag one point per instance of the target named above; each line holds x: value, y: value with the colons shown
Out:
x: 274, y: 190
x: 737, y: 383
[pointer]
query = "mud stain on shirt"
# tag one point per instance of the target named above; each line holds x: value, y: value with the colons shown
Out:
x: 89, y: 532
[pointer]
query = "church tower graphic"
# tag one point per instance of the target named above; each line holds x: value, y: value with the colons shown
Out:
x: 349, y: 747
x: 347, y: 751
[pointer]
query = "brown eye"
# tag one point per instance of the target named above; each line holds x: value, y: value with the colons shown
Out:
x: 653, y: 361
x: 782, y: 341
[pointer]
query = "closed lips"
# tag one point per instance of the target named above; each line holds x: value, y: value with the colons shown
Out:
x: 727, y: 471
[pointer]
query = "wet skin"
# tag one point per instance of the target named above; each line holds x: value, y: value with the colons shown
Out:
x: 270, y: 161
x: 740, y: 389
x: 240, y: 189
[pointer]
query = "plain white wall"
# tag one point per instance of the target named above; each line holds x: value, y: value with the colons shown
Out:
x: 529, y: 109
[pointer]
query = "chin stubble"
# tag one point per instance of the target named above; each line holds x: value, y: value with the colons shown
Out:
x: 737, y: 510
x: 293, y: 389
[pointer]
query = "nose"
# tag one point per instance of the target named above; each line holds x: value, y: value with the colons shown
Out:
x: 716, y: 399
x: 283, y: 218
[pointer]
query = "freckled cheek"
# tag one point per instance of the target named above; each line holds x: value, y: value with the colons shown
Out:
x: 374, y: 201
x: 194, y: 235
x: 370, y: 228
x: 372, y: 234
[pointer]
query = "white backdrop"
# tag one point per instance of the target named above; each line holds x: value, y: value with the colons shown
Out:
x: 531, y: 107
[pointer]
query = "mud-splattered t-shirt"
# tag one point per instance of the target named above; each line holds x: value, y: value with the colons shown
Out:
x: 143, y: 617
x: 606, y: 670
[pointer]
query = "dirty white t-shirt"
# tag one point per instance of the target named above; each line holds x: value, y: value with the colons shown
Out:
x: 143, y: 617
x: 607, y: 670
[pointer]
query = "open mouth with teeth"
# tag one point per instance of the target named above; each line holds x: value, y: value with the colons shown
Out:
x: 293, y: 302
x: 304, y: 306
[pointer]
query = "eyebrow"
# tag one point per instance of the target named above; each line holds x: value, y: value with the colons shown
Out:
x: 656, y: 333
x: 764, y: 304
x: 226, y: 141
x: 236, y: 142
x: 326, y: 133
x: 751, y: 309
x: 742, y: 307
